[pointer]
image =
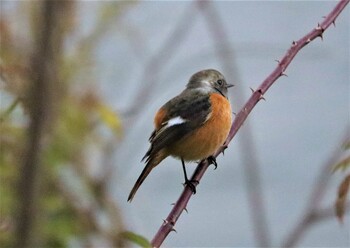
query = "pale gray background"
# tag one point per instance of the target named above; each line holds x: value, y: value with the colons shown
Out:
x: 294, y: 131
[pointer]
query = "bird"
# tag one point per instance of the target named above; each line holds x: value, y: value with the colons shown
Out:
x: 191, y: 126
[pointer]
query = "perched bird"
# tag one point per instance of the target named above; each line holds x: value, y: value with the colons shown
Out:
x: 191, y: 126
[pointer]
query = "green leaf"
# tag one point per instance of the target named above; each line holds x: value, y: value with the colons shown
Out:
x: 343, y: 164
x: 136, y: 238
x: 110, y: 118
x: 340, y: 204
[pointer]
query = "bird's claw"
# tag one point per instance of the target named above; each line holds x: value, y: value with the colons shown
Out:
x: 192, y: 185
x: 212, y: 160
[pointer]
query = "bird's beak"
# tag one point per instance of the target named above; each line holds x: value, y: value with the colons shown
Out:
x: 229, y: 85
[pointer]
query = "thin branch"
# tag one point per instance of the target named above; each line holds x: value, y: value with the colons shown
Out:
x: 152, y: 69
x: 9, y: 110
x: 313, y: 212
x: 245, y: 143
x: 88, y: 210
x: 308, y: 220
x: 326, y: 213
x: 257, y: 95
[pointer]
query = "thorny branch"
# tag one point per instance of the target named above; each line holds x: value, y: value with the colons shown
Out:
x: 246, y: 145
x: 257, y: 95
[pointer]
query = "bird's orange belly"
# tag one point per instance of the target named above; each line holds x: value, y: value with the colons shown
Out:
x: 204, y: 141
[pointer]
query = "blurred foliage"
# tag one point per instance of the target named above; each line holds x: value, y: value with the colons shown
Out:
x: 340, y: 204
x: 81, y: 120
x: 343, y: 189
x: 344, y: 162
x: 137, y: 239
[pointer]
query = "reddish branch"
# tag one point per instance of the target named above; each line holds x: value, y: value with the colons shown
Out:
x: 246, y: 145
x: 257, y: 95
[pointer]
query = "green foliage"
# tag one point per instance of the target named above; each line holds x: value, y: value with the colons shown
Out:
x: 136, y: 239
x: 11, y: 137
x: 74, y: 123
x: 340, y: 204
x: 343, y: 190
x: 344, y: 161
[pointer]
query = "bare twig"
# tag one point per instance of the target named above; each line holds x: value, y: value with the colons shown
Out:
x: 326, y: 213
x: 257, y: 95
x: 245, y: 145
x: 88, y: 210
x: 152, y: 69
x: 44, y: 76
x: 313, y: 211
x: 308, y: 220
x: 9, y: 110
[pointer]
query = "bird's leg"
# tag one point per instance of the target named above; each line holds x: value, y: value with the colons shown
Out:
x: 212, y: 160
x: 190, y: 183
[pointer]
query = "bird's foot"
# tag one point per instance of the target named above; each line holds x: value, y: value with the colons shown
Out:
x: 192, y: 185
x: 212, y: 160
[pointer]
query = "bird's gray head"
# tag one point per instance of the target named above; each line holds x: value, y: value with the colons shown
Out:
x: 210, y: 81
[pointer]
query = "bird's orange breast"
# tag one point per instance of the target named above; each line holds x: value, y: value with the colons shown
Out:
x: 206, y: 139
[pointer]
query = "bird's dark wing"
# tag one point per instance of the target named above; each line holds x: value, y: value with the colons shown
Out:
x: 184, y: 114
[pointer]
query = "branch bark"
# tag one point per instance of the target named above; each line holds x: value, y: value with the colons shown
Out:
x: 257, y: 95
x: 245, y: 142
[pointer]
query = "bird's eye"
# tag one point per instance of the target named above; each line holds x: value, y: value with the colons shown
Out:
x: 220, y: 82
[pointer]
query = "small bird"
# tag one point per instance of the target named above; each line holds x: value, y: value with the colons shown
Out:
x: 190, y: 126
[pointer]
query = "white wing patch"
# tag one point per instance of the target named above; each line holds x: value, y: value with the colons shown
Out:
x: 175, y: 121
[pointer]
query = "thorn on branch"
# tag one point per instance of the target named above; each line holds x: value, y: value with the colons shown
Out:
x: 278, y: 61
x: 308, y: 41
x: 294, y: 43
x: 224, y: 147
x: 252, y: 90
x: 234, y: 113
x: 283, y: 74
x: 321, y: 36
x: 165, y: 222
x: 173, y: 230
x: 186, y: 210
x: 333, y: 22
x: 261, y: 97
x: 319, y: 28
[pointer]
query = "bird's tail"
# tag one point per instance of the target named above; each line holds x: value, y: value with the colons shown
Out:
x: 151, y: 163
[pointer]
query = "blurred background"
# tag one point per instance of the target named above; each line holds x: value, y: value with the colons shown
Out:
x: 80, y: 83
